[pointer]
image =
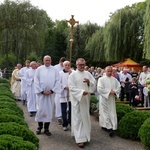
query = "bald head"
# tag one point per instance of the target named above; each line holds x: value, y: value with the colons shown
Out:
x: 108, y: 71
x: 47, y: 60
x: 66, y: 65
x: 33, y: 64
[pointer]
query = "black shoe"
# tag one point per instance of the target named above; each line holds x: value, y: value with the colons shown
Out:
x: 31, y: 115
x: 24, y: 102
x: 38, y: 132
x: 59, y: 121
x: 111, y: 133
x: 81, y: 145
x: 105, y: 129
x: 46, y: 132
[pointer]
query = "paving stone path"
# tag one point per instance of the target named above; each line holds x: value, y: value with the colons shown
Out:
x: 62, y: 140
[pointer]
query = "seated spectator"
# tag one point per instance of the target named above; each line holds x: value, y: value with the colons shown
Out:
x: 133, y: 88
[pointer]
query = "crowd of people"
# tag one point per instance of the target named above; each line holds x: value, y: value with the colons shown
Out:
x: 135, y: 86
x: 43, y: 87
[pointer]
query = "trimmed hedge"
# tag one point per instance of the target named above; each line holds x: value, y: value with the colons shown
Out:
x: 144, y: 133
x: 6, y: 93
x: 3, y: 80
x: 10, y: 112
x: 4, y: 89
x: 15, y: 129
x: 7, y: 99
x: 11, y: 106
x: 12, y: 118
x: 122, y: 109
x: 130, y: 124
x: 9, y: 142
x: 5, y: 85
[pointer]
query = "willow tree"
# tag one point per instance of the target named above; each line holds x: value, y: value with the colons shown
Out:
x: 121, y: 37
x: 96, y: 46
x: 22, y: 28
x: 124, y: 34
x: 146, y: 51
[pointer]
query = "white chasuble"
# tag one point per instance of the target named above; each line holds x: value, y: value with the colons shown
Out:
x: 80, y: 104
x: 107, y: 101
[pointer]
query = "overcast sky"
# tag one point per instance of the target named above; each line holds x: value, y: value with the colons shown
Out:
x: 95, y: 11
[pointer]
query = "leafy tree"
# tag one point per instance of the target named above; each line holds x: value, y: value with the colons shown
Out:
x: 23, y: 28
x: 121, y: 37
x: 146, y: 51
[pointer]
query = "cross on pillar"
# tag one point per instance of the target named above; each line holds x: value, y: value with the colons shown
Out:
x: 72, y: 22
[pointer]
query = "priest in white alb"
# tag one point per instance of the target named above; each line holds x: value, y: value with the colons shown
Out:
x: 81, y: 85
x: 46, y: 82
x: 108, y: 88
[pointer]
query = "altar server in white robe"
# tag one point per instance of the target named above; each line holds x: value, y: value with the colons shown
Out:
x: 64, y: 97
x: 108, y: 88
x: 46, y: 82
x: 31, y: 96
x: 58, y: 113
x: 81, y: 85
x: 22, y: 72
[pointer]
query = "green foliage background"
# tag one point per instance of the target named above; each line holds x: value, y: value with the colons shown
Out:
x: 27, y: 32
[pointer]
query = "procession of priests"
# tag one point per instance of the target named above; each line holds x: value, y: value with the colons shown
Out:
x: 45, y: 89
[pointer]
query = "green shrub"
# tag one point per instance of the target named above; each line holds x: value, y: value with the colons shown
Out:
x: 7, y: 99
x: 6, y: 93
x: 4, y: 88
x: 8, y: 103
x: 9, y: 142
x: 10, y: 112
x: 5, y: 85
x: 11, y: 106
x: 93, y: 104
x: 144, y: 132
x: 93, y: 99
x: 12, y: 118
x: 130, y: 124
x: 15, y: 129
x: 3, y: 80
x: 122, y: 109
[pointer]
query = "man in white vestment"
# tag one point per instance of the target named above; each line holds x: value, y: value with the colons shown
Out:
x: 64, y: 97
x: 22, y: 72
x: 46, y: 82
x: 81, y: 85
x: 108, y: 88
x: 31, y: 96
x: 58, y: 113
x: 16, y: 82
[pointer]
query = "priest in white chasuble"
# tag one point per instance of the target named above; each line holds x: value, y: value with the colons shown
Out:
x: 81, y: 85
x: 108, y: 88
x: 46, y: 82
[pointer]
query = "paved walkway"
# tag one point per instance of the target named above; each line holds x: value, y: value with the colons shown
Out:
x: 61, y: 140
